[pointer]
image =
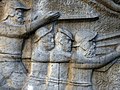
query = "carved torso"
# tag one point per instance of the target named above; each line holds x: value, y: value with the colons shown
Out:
x: 59, y: 56
x: 39, y: 55
x: 11, y: 40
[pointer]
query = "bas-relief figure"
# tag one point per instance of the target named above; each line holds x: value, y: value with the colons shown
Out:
x: 12, y: 33
x: 59, y: 60
x: 50, y: 67
x: 54, y: 73
x: 48, y: 70
x: 43, y: 44
x: 86, y: 60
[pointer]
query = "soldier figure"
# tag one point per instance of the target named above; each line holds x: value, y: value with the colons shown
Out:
x: 12, y: 34
x: 112, y: 4
x: 43, y: 44
x: 85, y: 59
x: 59, y: 60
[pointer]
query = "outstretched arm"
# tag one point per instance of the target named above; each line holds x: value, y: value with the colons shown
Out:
x: 96, y: 62
x: 50, y: 17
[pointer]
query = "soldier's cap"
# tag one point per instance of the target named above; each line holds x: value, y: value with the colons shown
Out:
x: 17, y: 5
x: 66, y: 32
x: 41, y: 32
x: 83, y: 36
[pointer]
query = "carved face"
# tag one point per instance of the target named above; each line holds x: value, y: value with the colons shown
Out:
x: 19, y: 16
x: 85, y: 45
x: 48, y: 41
x: 87, y: 48
x: 65, y: 42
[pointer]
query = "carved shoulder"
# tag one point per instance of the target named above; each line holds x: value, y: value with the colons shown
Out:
x: 12, y: 31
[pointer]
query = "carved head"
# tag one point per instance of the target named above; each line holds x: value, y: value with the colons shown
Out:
x: 85, y: 41
x: 64, y: 39
x: 45, y: 38
x: 16, y: 10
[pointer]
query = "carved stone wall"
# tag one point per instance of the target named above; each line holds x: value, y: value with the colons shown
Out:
x: 107, y: 22
x: 76, y: 15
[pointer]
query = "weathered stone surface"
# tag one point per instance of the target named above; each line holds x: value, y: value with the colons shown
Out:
x: 13, y: 33
x: 78, y: 51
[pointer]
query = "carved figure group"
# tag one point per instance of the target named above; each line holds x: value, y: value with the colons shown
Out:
x: 51, y: 69
x: 48, y: 55
x: 54, y: 63
x: 12, y: 34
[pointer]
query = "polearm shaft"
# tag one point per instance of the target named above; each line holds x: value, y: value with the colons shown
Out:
x: 78, y: 17
x: 102, y: 41
x: 108, y: 44
x: 111, y: 35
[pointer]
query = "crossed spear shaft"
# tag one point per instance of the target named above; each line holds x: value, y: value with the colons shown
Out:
x: 106, y: 37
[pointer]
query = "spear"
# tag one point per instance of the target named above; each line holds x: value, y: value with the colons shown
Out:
x: 100, y: 40
x: 108, y: 36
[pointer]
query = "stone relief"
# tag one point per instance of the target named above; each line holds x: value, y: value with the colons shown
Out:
x: 55, y: 72
x: 49, y: 53
x: 86, y: 60
x: 113, y: 4
x: 59, y: 60
x: 61, y: 55
x: 43, y: 44
x: 13, y: 31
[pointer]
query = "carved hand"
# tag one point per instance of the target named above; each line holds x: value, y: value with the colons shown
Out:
x: 48, y: 18
x: 52, y: 16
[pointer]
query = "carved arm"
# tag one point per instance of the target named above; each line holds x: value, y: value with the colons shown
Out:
x: 96, y: 62
x: 22, y: 30
x: 50, y: 17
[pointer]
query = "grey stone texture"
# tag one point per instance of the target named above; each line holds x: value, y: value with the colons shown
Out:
x: 60, y: 45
